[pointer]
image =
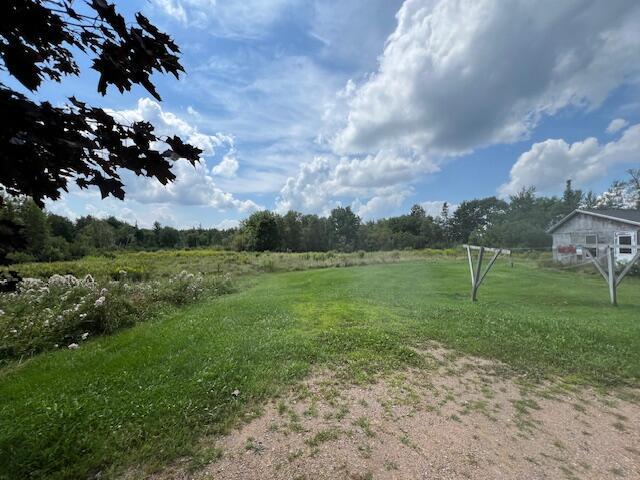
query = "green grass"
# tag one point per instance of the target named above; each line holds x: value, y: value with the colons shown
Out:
x: 146, y: 395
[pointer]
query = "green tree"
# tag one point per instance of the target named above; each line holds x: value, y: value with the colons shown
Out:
x: 169, y: 237
x: 344, y: 228
x: 261, y: 231
x: 589, y: 200
x: 314, y: 233
x: 571, y: 198
x: 474, y: 214
x: 418, y: 211
x: 291, y: 231
x: 12, y: 237
x: 36, y: 228
x: 97, y: 234
x: 60, y: 226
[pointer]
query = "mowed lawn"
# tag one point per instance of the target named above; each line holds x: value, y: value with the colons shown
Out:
x: 146, y: 395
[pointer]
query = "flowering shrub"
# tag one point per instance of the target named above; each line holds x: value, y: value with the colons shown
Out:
x: 64, y: 311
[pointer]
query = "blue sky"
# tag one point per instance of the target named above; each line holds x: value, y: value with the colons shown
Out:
x: 378, y: 104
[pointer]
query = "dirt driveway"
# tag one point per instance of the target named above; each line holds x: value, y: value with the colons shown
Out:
x: 463, y: 418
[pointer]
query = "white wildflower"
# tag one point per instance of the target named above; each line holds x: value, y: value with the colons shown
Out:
x: 82, y: 315
x: 103, y: 292
x: 1, y: 312
x: 73, y: 346
x: 56, y: 280
x: 99, y: 301
x: 30, y: 283
x: 84, y: 335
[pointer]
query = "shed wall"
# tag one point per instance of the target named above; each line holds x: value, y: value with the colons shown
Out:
x: 573, y: 234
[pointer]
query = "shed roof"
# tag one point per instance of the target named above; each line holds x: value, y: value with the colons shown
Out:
x: 632, y: 217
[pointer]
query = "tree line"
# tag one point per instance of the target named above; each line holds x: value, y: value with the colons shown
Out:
x: 519, y: 221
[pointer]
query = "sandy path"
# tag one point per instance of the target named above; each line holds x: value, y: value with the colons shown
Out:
x: 464, y: 418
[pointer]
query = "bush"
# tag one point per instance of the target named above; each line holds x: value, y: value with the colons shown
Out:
x: 20, y: 257
x: 64, y: 311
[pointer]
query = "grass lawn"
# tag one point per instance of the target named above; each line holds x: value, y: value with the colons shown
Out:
x: 147, y: 394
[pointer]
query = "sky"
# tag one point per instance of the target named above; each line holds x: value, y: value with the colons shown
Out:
x: 377, y: 104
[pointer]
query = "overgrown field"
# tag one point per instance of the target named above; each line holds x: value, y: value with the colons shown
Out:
x: 62, y: 304
x: 166, y: 263
x: 147, y: 394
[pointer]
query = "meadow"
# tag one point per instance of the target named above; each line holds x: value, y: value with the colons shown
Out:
x: 62, y: 304
x: 147, y: 394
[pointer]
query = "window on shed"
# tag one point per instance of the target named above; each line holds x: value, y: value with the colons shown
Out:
x: 624, y: 240
x: 592, y: 240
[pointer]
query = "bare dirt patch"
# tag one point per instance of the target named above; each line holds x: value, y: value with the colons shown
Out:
x: 464, y: 418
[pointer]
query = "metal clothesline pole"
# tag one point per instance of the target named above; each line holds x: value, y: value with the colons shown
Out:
x: 477, y: 276
x: 612, y: 278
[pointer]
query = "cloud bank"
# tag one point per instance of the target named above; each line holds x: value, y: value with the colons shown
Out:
x: 456, y: 75
x: 547, y: 165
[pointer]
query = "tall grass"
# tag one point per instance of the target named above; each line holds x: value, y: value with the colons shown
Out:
x: 165, y: 263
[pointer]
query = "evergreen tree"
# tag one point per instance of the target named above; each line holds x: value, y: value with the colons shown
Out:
x: 571, y: 198
x: 417, y: 211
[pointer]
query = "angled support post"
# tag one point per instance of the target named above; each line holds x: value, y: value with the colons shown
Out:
x: 597, y: 265
x: 628, y: 268
x: 613, y: 280
x: 477, y: 276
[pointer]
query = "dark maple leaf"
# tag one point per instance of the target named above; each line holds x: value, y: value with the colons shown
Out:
x: 42, y: 147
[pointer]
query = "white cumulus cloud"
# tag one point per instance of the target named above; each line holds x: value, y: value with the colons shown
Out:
x: 616, y: 125
x: 228, y: 166
x: 319, y: 183
x: 193, y: 184
x: 380, y: 205
x: 433, y: 208
x: 459, y: 74
x: 547, y: 165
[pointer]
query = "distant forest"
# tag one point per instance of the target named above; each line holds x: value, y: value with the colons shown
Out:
x: 520, y: 221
